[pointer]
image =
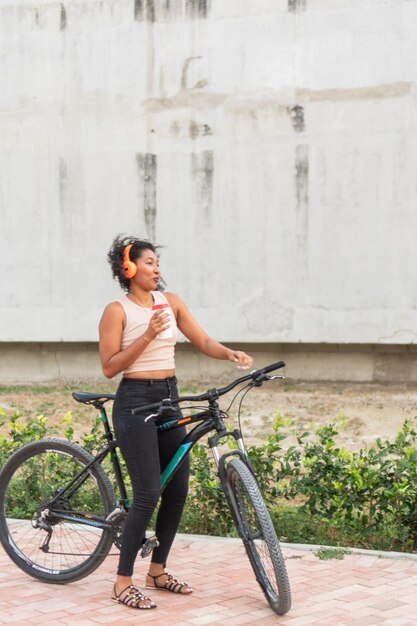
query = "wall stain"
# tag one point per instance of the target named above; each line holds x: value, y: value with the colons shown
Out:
x: 296, y: 5
x: 302, y: 202
x: 390, y: 90
x: 185, y: 129
x: 175, y: 128
x: 139, y: 10
x: 296, y: 114
x: 144, y: 11
x: 63, y: 177
x: 197, y: 8
x: 301, y: 175
x: 170, y: 10
x: 197, y: 99
x: 198, y: 130
x: 189, y: 129
x: 147, y: 167
x: 194, y: 99
x: 184, y: 73
x: 63, y: 18
x: 202, y: 174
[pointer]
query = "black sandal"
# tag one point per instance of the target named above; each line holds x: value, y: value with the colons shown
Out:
x: 132, y: 599
x: 172, y: 584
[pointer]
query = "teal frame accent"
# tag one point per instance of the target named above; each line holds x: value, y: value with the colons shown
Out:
x: 176, y: 459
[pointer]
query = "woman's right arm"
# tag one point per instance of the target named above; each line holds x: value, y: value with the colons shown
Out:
x: 113, y: 359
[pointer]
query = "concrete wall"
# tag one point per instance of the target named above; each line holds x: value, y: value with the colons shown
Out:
x: 72, y: 361
x: 270, y: 145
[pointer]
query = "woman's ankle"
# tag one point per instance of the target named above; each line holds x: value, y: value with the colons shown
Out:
x: 122, y: 582
x: 156, y: 569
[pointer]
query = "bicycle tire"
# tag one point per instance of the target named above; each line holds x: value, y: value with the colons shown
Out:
x: 34, y: 474
x: 257, y: 532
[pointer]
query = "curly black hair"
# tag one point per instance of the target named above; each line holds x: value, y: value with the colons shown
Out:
x: 116, y: 253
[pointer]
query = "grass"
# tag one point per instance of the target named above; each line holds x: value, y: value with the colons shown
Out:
x: 56, y: 401
x: 53, y: 402
x: 324, y: 553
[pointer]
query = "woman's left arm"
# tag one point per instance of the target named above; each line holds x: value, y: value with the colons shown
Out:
x: 200, y: 339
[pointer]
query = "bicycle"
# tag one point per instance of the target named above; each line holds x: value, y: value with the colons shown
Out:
x: 59, y: 515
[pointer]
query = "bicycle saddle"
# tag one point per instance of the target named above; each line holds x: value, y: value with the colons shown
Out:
x: 91, y: 398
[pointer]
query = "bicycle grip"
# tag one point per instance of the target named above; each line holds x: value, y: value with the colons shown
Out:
x: 274, y: 366
x: 146, y: 407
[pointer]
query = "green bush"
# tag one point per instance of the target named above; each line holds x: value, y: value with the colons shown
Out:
x: 319, y: 492
x: 20, y: 432
x: 369, y: 494
x: 206, y: 511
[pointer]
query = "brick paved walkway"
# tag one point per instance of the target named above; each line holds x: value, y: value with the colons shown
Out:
x: 356, y: 591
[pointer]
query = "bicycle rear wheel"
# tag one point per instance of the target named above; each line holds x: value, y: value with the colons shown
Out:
x: 54, y: 539
x: 258, y: 535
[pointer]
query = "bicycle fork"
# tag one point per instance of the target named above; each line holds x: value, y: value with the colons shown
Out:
x: 221, y: 463
x: 239, y: 451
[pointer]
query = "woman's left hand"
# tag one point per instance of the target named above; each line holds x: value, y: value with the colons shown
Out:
x: 242, y: 360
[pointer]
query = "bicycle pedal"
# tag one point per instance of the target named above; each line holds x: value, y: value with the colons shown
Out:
x: 149, y: 545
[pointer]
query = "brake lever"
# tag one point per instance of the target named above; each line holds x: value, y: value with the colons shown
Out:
x: 259, y: 380
x: 164, y: 407
x: 166, y: 410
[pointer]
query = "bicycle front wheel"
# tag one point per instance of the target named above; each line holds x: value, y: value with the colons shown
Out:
x: 52, y: 537
x: 258, y: 535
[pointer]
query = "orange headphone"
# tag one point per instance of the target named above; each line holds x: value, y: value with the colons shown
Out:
x: 129, y: 268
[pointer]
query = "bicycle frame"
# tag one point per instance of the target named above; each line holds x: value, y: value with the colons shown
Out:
x: 208, y: 420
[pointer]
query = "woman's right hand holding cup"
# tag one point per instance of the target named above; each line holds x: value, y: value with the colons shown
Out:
x: 158, y: 323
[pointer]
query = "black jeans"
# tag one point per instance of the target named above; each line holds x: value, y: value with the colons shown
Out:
x: 146, y: 453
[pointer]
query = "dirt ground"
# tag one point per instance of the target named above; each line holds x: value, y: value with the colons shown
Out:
x: 370, y: 411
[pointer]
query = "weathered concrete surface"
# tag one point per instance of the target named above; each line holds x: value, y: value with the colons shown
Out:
x: 43, y: 362
x: 270, y: 145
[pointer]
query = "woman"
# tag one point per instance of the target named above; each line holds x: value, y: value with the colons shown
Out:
x: 137, y: 338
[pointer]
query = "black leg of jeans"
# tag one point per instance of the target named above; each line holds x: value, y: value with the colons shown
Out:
x: 173, y: 497
x: 146, y: 453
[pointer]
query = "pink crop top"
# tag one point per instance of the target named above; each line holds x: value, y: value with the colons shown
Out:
x: 159, y: 353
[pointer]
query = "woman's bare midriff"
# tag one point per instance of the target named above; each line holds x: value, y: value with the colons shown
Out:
x: 156, y: 375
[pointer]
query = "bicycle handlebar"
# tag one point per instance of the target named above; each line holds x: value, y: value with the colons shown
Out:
x: 257, y: 376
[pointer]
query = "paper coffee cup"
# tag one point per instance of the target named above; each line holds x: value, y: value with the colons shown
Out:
x: 167, y: 333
